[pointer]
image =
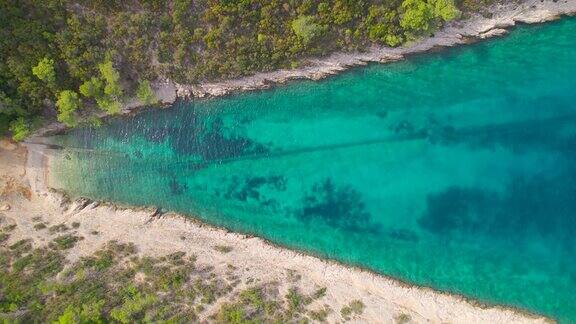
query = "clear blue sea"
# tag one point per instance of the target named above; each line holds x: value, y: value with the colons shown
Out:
x: 453, y: 170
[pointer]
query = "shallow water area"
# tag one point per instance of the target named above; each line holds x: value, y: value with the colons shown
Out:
x: 454, y: 170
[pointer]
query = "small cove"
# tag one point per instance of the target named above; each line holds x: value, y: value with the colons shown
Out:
x: 454, y: 170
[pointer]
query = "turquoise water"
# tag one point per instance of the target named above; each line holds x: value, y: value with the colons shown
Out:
x: 454, y: 170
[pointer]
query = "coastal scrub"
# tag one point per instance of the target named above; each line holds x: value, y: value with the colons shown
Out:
x: 115, y: 284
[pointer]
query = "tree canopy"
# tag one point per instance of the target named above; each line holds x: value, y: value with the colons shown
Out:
x: 44, y: 70
x: 421, y: 16
x: 305, y: 28
x: 67, y: 103
x: 92, y: 88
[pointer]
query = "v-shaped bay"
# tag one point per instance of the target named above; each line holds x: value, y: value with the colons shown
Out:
x: 454, y: 170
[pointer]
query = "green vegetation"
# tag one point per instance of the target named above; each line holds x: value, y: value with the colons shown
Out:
x: 39, y: 226
x: 262, y: 304
x: 144, y: 93
x: 94, y: 122
x: 355, y: 307
x: 423, y: 16
x: 45, y: 71
x: 107, y: 50
x: 100, y: 288
x: 305, y: 28
x: 64, y: 242
x: 9, y: 228
x: 109, y: 100
x: 403, y: 318
x: 38, y: 285
x: 104, y: 89
x: 59, y: 228
x: 67, y: 104
x: 321, y: 292
x: 223, y: 248
x: 320, y: 314
x: 92, y: 88
x: 19, y: 128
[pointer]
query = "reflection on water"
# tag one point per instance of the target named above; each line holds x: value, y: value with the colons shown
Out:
x: 456, y: 170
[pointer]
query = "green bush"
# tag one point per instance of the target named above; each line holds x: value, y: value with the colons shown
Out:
x: 305, y: 28
x: 445, y: 9
x: 111, y: 77
x: 39, y: 226
x: 58, y: 228
x: 94, y: 122
x: 231, y: 314
x: 145, y: 93
x: 64, y: 242
x: 92, y: 88
x: 422, y: 16
x: 67, y: 103
x: 223, y: 248
x: 44, y: 70
x: 20, y: 129
x: 133, y: 306
x: 355, y: 307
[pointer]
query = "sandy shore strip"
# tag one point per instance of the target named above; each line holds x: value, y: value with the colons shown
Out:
x: 386, y: 299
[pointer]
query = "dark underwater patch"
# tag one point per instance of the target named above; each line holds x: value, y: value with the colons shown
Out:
x: 176, y: 188
x: 461, y: 209
x: 245, y: 189
x: 548, y: 133
x: 404, y: 235
x: 530, y: 207
x: 338, y: 207
x: 206, y: 139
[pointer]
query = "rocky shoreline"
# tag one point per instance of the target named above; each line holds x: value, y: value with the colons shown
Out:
x: 502, y: 17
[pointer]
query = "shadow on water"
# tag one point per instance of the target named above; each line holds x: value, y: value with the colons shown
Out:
x: 210, y: 146
x: 176, y: 188
x: 252, y: 189
x: 538, y: 207
x: 340, y: 207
